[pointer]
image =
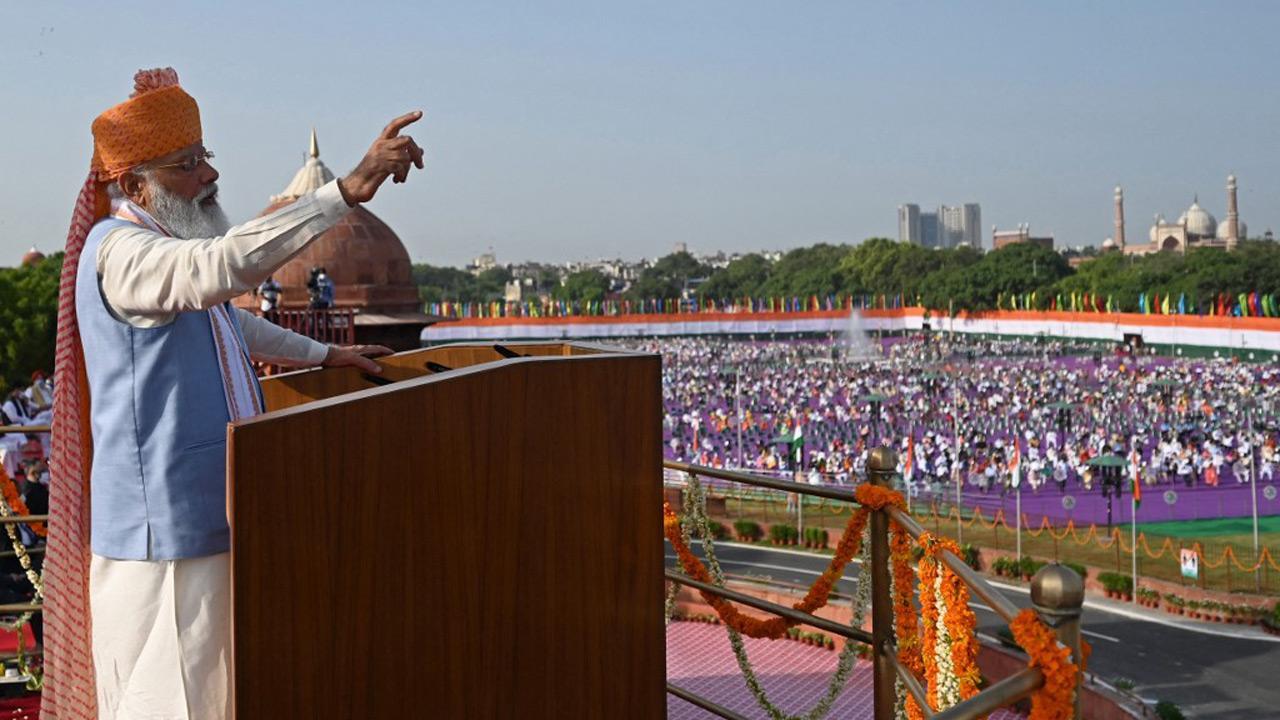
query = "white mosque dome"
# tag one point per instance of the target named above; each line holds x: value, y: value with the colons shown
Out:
x: 1108, y: 244
x: 1242, y: 230
x: 1198, y: 220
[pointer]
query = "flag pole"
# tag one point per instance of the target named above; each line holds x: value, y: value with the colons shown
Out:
x: 737, y: 409
x: 1133, y: 542
x: 1253, y: 482
x: 955, y: 468
x: 1018, y: 510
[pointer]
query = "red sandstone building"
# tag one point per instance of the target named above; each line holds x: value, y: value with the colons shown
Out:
x: 1001, y: 238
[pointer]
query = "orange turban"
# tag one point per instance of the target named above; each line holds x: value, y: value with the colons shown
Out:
x: 159, y: 118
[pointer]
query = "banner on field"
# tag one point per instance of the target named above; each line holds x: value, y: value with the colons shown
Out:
x: 1190, y: 561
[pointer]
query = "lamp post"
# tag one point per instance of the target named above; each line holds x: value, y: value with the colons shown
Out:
x: 874, y: 402
x: 1110, y: 469
x: 1062, y: 417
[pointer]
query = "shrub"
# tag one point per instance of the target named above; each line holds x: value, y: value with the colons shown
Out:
x: 718, y: 530
x: 1003, y: 566
x: 1029, y: 566
x: 1123, y: 683
x: 971, y: 556
x: 781, y: 534
x: 1116, y: 583
x: 1166, y: 710
x: 815, y: 537
x: 748, y: 530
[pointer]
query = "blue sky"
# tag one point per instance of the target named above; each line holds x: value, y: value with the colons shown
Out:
x: 560, y: 131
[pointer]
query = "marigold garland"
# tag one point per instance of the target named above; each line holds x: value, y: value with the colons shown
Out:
x: 1055, y: 700
x: 870, y: 497
x: 878, y: 497
x: 905, y: 622
x: 695, y: 518
x: 773, y: 627
x: 15, y: 503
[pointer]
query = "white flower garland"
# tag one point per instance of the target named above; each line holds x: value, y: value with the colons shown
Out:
x: 24, y: 558
x: 695, y: 499
x: 35, y: 675
x: 948, y: 685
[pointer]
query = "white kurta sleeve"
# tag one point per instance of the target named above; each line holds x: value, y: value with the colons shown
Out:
x: 270, y: 343
x: 146, y: 278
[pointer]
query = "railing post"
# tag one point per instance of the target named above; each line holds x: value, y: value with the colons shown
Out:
x: 1057, y: 593
x: 880, y: 469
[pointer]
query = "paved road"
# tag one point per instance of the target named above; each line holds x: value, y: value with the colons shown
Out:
x: 1208, y: 676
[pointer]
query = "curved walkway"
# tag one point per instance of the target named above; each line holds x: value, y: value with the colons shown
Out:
x: 700, y: 660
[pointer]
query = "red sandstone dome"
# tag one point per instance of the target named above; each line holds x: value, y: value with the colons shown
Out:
x: 362, y: 255
x: 33, y: 257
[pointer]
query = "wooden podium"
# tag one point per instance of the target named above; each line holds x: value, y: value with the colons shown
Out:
x: 483, y: 541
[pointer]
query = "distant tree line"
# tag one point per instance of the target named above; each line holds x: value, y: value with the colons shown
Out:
x: 28, y: 320
x: 962, y: 279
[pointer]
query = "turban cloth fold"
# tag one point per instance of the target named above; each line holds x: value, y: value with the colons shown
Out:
x: 158, y: 119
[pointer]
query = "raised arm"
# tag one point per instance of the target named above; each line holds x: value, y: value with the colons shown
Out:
x: 147, y: 277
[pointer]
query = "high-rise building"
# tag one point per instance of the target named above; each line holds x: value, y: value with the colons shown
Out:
x: 946, y: 228
x: 960, y: 224
x: 930, y: 230
x: 973, y: 225
x: 909, y: 223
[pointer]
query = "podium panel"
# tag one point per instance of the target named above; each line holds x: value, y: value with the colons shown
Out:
x: 287, y: 390
x: 479, y: 543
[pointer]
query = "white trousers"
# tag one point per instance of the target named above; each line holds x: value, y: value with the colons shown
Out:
x: 161, y: 637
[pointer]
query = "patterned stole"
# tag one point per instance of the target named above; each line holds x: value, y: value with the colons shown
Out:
x: 239, y: 382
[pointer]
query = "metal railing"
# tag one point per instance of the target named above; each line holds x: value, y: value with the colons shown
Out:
x: 1057, y: 594
x: 18, y: 608
x: 23, y: 429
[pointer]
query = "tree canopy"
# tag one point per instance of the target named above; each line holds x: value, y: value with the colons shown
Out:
x: 588, y: 285
x: 669, y: 277
x: 28, y: 319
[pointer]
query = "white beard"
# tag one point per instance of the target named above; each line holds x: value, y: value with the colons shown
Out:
x: 189, y: 219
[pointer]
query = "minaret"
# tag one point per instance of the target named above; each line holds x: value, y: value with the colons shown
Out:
x: 1119, y: 236
x: 1233, y: 215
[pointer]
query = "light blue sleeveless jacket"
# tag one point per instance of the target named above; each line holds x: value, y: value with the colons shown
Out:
x: 159, y: 417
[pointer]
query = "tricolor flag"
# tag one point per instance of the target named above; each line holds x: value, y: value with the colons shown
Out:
x: 909, y: 463
x: 1015, y: 463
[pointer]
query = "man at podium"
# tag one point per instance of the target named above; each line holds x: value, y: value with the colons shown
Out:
x: 152, y: 363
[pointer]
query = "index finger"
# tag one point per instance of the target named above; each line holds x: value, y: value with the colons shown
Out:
x: 394, y: 127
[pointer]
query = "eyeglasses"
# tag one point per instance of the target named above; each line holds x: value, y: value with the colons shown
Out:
x: 190, y: 164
